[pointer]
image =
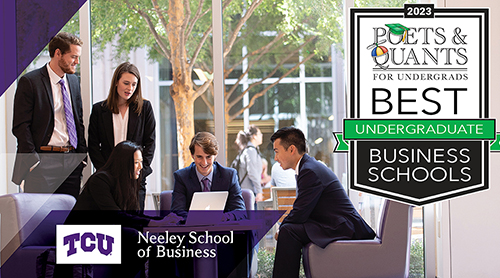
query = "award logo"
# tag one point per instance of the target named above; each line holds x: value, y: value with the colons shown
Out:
x: 418, y: 126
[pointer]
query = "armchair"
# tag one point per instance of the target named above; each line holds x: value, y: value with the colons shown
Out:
x: 386, y: 256
x: 26, y: 231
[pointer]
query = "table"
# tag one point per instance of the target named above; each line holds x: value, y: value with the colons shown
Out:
x: 207, y: 267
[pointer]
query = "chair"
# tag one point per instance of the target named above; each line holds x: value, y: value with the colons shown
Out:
x: 283, y: 199
x: 156, y: 200
x: 28, y: 228
x: 386, y: 256
x: 266, y: 192
x: 166, y: 199
x: 26, y: 231
x: 248, y: 198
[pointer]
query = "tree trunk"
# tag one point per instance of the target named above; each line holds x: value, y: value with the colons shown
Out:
x: 182, y: 88
x: 184, y: 115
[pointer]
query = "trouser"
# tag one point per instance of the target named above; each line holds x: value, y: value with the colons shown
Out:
x: 56, y: 173
x: 292, y: 237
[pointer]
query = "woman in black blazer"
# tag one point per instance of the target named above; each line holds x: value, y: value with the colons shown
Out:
x: 110, y: 197
x: 124, y: 115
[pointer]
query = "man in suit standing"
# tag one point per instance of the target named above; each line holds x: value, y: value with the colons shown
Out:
x: 322, y: 212
x: 48, y: 123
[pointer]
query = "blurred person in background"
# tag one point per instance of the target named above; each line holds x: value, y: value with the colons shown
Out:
x: 250, y: 161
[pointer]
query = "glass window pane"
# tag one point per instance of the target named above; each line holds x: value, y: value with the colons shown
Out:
x: 168, y: 140
x: 319, y: 66
x: 165, y: 69
x: 319, y: 101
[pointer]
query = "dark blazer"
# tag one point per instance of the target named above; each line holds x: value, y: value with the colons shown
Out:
x: 96, y: 205
x: 33, y: 121
x: 141, y: 130
x: 323, y: 206
x: 186, y: 183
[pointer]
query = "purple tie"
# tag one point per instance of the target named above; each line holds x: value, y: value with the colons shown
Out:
x: 205, y: 185
x: 70, y: 119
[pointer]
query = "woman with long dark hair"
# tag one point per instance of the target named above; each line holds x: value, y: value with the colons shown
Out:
x: 124, y: 115
x: 110, y: 198
x: 115, y: 186
x: 250, y: 160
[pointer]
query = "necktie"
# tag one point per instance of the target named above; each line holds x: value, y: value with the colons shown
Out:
x: 205, y: 185
x: 70, y: 120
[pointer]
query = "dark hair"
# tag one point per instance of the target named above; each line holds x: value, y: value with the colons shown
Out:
x: 244, y: 137
x: 291, y: 136
x: 206, y: 141
x: 113, y: 97
x: 63, y: 42
x: 120, y: 166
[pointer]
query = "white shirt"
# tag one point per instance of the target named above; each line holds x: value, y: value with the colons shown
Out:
x: 120, y: 126
x: 297, y: 166
x: 60, y: 135
x: 282, y: 178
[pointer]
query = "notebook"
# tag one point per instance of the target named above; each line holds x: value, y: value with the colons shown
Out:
x: 213, y: 201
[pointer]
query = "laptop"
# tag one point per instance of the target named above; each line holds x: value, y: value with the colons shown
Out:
x: 206, y: 201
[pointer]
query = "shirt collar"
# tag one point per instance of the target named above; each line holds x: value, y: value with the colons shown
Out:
x: 297, y: 166
x: 209, y: 176
x: 54, y: 78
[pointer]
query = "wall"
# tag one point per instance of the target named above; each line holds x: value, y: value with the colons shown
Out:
x: 472, y: 222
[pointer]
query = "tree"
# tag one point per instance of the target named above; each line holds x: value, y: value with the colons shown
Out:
x: 283, y: 34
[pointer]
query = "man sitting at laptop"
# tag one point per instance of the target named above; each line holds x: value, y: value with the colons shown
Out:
x: 205, y: 174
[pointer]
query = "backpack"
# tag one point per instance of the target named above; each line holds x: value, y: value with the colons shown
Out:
x: 237, y: 162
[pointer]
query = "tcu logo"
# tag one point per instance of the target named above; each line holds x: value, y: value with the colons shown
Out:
x: 88, y: 244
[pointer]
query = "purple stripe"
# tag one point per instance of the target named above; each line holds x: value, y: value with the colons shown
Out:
x: 27, y: 27
x: 8, y: 71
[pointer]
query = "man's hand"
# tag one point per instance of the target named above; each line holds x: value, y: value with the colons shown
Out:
x: 34, y: 166
x: 276, y: 234
x: 259, y: 197
x: 226, y: 217
x: 168, y: 220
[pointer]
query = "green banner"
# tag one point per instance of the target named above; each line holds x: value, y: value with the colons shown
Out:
x: 342, y: 145
x: 413, y: 129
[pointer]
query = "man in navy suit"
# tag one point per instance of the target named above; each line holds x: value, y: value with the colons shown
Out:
x: 205, y: 174
x: 204, y: 149
x: 48, y: 123
x: 322, y: 212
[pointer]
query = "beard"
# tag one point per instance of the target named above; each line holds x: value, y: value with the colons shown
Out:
x: 66, y: 67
